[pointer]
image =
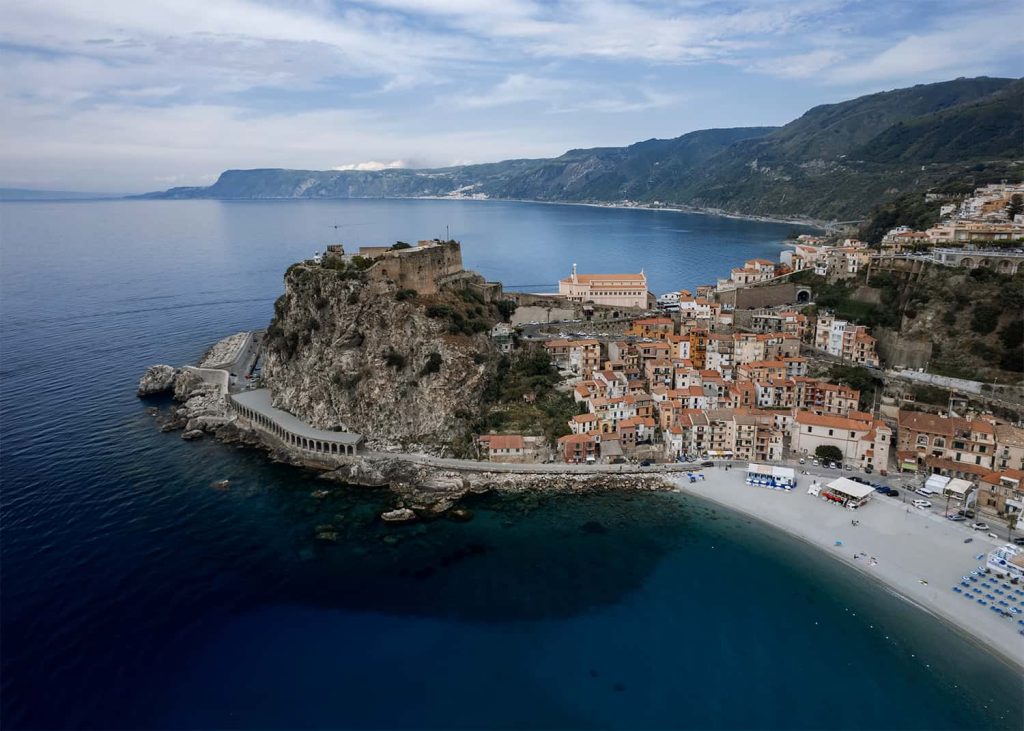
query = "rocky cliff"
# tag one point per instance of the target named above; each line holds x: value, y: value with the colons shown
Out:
x: 343, y: 351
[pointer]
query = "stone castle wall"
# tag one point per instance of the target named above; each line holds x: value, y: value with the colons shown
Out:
x: 421, y: 268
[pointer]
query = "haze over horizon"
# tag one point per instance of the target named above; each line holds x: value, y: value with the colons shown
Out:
x: 127, y: 97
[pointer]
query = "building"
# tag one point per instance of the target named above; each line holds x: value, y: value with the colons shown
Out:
x: 510, y: 447
x: 1001, y: 493
x: 1009, y: 447
x: 946, y: 445
x: 580, y: 448
x: 862, y: 440
x: 582, y: 357
x: 845, y: 340
x: 616, y: 290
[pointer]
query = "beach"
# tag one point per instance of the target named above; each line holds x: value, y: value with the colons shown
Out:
x: 916, y: 554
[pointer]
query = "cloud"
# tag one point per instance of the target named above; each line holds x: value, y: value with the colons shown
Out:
x: 133, y: 93
x: 372, y: 165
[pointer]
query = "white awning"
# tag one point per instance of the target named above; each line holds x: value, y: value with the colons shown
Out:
x: 959, y: 487
x: 849, y: 487
x: 768, y: 470
x: 936, y: 483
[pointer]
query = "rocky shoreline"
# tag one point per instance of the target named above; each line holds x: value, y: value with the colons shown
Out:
x: 421, y: 492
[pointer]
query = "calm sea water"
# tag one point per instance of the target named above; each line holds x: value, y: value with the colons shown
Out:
x: 134, y: 595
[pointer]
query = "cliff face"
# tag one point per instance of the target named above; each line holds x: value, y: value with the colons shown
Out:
x: 342, y: 351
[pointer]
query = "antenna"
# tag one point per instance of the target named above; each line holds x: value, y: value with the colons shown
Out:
x: 447, y: 233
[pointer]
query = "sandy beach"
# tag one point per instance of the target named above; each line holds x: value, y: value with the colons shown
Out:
x: 918, y: 555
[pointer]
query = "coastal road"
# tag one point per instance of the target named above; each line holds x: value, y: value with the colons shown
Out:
x: 470, y: 465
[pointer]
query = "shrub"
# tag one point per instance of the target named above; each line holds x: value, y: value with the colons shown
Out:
x: 395, y: 359
x: 439, y: 311
x: 985, y: 317
x: 433, y: 364
x: 405, y: 294
x: 399, y: 245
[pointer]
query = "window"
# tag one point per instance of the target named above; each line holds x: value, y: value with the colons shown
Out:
x: 939, y: 442
x: 922, y: 440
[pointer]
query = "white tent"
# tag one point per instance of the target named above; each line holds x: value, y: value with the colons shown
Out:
x: 936, y: 483
x: 849, y: 489
x: 959, y: 488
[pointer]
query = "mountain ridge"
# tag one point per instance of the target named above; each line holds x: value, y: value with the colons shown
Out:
x: 834, y: 161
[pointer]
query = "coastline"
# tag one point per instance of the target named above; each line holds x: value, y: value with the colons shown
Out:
x: 919, y: 556
x: 679, y: 208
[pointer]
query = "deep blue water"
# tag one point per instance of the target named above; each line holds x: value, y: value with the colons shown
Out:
x: 133, y: 595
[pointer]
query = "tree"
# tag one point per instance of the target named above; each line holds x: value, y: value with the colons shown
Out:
x: 829, y: 453
x: 1015, y: 206
x: 1011, y: 524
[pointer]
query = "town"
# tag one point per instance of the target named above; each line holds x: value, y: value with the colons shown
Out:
x: 749, y: 370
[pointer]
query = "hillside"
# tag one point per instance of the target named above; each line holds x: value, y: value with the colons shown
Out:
x: 836, y: 161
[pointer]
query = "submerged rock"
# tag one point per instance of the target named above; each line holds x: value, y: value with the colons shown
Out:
x: 220, y: 484
x: 191, y: 434
x: 399, y: 515
x: 461, y: 514
x: 157, y: 379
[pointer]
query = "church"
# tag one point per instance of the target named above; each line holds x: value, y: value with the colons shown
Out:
x: 617, y: 290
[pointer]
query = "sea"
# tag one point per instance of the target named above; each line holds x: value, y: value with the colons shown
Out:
x: 133, y: 594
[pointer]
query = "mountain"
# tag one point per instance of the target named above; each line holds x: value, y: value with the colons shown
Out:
x: 836, y: 161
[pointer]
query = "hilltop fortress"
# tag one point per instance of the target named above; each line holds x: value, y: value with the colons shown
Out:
x: 427, y: 268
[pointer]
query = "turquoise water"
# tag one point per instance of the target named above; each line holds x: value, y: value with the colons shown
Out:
x: 135, y: 595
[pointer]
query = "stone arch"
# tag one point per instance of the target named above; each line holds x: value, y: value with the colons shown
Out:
x: 986, y: 263
x: 967, y: 262
x: 1005, y: 266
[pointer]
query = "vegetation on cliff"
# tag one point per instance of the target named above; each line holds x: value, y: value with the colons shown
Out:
x: 971, y: 319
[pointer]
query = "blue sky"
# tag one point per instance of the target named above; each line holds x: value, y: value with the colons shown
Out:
x: 142, y: 95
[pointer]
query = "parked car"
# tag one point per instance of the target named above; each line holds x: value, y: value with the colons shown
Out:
x: 979, y: 526
x: 709, y: 463
x: 924, y: 491
x: 815, y: 463
x: 850, y: 467
x: 803, y: 461
x: 646, y: 463
x: 882, y: 489
x: 868, y: 469
x: 861, y: 480
x: 923, y: 504
x: 956, y: 518
x: 966, y: 513
x: 893, y: 493
x: 1019, y: 541
x: 831, y: 465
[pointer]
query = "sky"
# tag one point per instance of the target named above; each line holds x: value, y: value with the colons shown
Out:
x: 130, y: 96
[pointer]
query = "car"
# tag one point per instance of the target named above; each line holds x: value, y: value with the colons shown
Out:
x: 924, y: 491
x: 861, y: 480
x: 868, y: 469
x: 831, y: 465
x: 1019, y: 541
x: 646, y: 463
x: 803, y: 461
x: 882, y: 489
x: 849, y: 467
x: 893, y: 493
x: 709, y: 463
x: 966, y: 513
x: 979, y: 526
x: 956, y: 518
x: 923, y: 504
x: 815, y: 463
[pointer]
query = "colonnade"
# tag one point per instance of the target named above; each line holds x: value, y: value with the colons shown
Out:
x: 318, y: 446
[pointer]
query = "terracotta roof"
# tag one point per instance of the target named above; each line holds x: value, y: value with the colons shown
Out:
x: 834, y: 422
x: 993, y: 478
x: 505, y: 441
x: 592, y: 278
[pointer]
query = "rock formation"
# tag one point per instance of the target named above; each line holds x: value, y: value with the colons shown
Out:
x: 347, y: 351
x: 157, y: 379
